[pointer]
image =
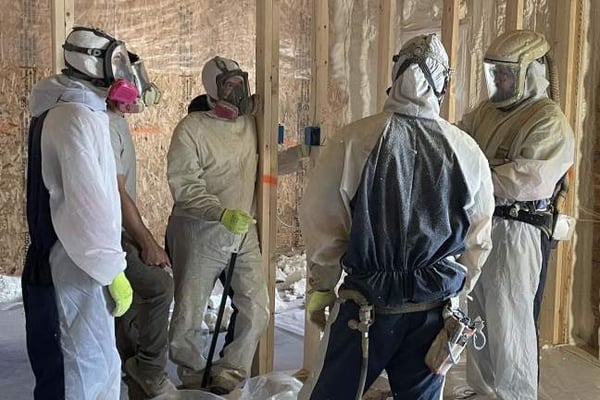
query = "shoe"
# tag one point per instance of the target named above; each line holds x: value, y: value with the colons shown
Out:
x: 190, y: 379
x: 221, y: 385
x: 152, y: 386
x: 464, y: 392
x: 219, y: 391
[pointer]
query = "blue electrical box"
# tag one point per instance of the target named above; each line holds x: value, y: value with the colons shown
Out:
x: 280, y: 134
x: 312, y: 136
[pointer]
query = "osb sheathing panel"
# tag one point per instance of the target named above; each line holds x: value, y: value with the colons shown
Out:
x: 24, y: 58
x: 294, y: 111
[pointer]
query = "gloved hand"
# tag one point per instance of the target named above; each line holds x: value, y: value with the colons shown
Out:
x: 121, y: 292
x: 317, y: 302
x: 236, y: 221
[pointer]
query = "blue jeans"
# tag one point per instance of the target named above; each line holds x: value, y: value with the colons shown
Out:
x: 397, y: 343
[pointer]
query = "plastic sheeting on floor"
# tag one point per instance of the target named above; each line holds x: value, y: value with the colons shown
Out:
x: 10, y: 289
x: 272, y: 386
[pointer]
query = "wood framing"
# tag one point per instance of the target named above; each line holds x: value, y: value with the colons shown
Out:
x: 450, y: 27
x: 320, y: 62
x: 514, y: 14
x: 318, y: 110
x: 385, y: 48
x: 267, y: 86
x: 62, y: 22
x: 569, y: 35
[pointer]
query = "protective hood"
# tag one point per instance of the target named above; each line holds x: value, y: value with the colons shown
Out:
x: 536, y: 82
x: 215, y: 72
x: 61, y: 89
x: 411, y: 95
x: 412, y: 92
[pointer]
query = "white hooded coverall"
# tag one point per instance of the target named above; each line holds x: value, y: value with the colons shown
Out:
x: 78, y: 169
x: 529, y: 149
x: 212, y: 166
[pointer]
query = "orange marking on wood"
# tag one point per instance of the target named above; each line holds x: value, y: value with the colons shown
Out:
x: 269, y: 179
x: 145, y: 130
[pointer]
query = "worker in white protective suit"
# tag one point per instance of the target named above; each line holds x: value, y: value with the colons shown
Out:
x: 142, y: 333
x: 289, y: 161
x: 402, y: 202
x: 212, y: 164
x: 74, y: 219
x: 529, y: 145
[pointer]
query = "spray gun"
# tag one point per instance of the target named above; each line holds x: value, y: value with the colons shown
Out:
x: 365, y: 320
x: 365, y: 316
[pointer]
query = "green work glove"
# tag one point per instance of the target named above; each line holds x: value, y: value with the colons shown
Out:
x: 236, y: 221
x: 121, y: 292
x: 317, y: 302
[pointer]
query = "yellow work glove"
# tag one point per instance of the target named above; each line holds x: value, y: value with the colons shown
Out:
x: 236, y: 221
x: 121, y: 292
x: 317, y: 302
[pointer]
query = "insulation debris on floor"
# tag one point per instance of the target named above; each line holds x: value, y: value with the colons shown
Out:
x: 289, y: 297
x: 10, y: 289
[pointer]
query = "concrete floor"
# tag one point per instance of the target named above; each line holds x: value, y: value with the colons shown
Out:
x: 567, y: 372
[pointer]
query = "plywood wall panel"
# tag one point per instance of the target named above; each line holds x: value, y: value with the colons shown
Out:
x: 294, y: 98
x: 24, y: 58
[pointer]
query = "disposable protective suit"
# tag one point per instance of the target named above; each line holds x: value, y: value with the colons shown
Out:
x: 78, y: 170
x: 211, y: 167
x: 530, y: 148
x: 74, y: 222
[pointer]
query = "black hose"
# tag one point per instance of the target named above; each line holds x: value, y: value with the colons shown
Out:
x: 215, y: 337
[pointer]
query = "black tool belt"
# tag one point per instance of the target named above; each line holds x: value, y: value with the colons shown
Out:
x: 540, y: 219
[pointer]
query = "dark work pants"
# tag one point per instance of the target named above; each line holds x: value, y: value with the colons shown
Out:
x: 143, y: 330
x: 43, y: 342
x: 546, y: 245
x: 397, y: 343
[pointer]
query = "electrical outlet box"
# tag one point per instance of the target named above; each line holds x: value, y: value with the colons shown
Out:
x: 280, y: 134
x: 312, y: 136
